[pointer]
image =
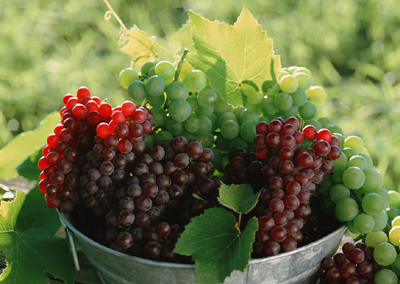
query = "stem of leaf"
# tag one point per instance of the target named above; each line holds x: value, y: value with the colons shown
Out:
x: 178, y: 69
x: 144, y: 102
x: 301, y: 124
x: 238, y: 223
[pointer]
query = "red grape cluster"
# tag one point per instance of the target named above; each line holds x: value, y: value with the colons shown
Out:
x: 290, y: 174
x: 356, y: 265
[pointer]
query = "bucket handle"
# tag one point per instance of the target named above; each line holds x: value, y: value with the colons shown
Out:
x: 73, y: 249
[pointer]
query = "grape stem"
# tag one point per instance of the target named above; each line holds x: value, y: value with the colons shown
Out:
x: 200, y: 198
x: 111, y: 12
x: 301, y: 124
x: 178, y: 69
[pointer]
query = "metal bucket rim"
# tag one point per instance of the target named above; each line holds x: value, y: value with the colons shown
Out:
x: 68, y: 224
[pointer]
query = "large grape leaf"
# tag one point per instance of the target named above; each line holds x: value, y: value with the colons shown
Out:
x: 238, y: 197
x: 23, y: 145
x: 216, y: 246
x: 184, y: 37
x: 230, y: 55
x: 29, y: 168
x: 32, y: 251
x: 139, y: 45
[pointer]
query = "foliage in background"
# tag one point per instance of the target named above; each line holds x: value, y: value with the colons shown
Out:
x: 50, y: 48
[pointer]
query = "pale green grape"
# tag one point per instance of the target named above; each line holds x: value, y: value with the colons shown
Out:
x: 206, y: 140
x: 365, y: 151
x: 207, y: 98
x: 225, y: 117
x: 375, y: 238
x: 337, y: 177
x: 146, y: 68
x: 159, y: 116
x: 355, y: 143
x: 249, y: 115
x: 174, y: 127
x: 177, y: 91
x: 165, y: 70
x: 358, y: 161
x: 394, y: 198
x: 217, y: 160
x: 340, y: 137
x: 380, y: 221
x: 205, y: 111
x: 308, y: 110
x: 385, y: 276
x: 339, y: 165
x: 188, y: 135
x: 394, y: 235
x: 222, y: 107
x: 373, y: 204
x: 369, y: 161
x: 349, y: 152
x: 364, y: 223
x: 192, y: 100
x: 237, y: 143
x: 385, y: 196
x: 192, y: 124
x: 303, y: 70
x: 155, y: 86
x: 152, y: 72
x: 314, y: 122
x: 149, y: 140
x: 395, y: 266
x: 317, y: 95
x: 268, y: 107
x: 126, y: 76
x: 137, y: 90
x: 248, y: 131
x: 162, y: 136
x: 325, y: 121
x: 346, y: 209
x: 221, y: 143
x: 156, y: 101
x: 373, y: 180
x: 385, y: 254
x: 237, y: 112
x: 179, y: 110
x: 213, y: 118
x: 392, y: 212
x: 353, y: 178
x: 303, y: 79
x: 195, y: 81
x: 230, y: 129
x: 288, y: 84
x: 299, y: 97
x: 253, y: 96
x: 350, y: 227
x: 335, y: 129
x: 283, y: 73
x: 290, y: 112
x: 283, y: 101
x: 205, y: 126
x: 338, y: 192
x: 396, y: 221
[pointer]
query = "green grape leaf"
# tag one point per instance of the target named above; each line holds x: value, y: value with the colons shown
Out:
x: 23, y: 145
x: 216, y: 246
x: 238, y: 197
x: 29, y: 168
x: 139, y: 45
x: 184, y: 37
x: 230, y: 55
x: 31, y: 252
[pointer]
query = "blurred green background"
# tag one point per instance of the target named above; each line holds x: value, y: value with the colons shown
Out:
x: 49, y: 48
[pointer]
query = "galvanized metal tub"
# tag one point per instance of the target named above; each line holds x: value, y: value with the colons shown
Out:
x: 297, y: 267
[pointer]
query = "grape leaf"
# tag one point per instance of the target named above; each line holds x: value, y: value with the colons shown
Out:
x: 238, y: 197
x: 23, y: 145
x: 230, y: 55
x: 29, y: 168
x: 139, y: 45
x: 184, y: 37
x: 30, y: 252
x: 216, y: 246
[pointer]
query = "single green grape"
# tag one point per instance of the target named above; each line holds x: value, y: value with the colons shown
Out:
x: 396, y: 221
x: 303, y: 79
x: 248, y: 131
x: 303, y: 70
x: 355, y: 143
x: 188, y: 135
x: 395, y: 266
x: 156, y: 101
x: 174, y: 127
x: 155, y: 86
x: 192, y: 124
x: 353, y: 177
x: 237, y: 143
x: 317, y: 95
x: 177, y: 91
x: 165, y: 70
x: 253, y: 96
x: 225, y: 117
x: 375, y: 238
x: 308, y: 110
x: 222, y: 107
x: 205, y: 111
x: 146, y: 68
x: 137, y: 90
x: 195, y: 81
x: 249, y: 115
x: 149, y: 140
x: 335, y: 129
x: 385, y: 196
x: 159, y: 116
x: 349, y: 152
x: 394, y: 235
x: 350, y: 227
x: 394, y: 198
x: 337, y: 178
x: 325, y: 121
x: 392, y: 212
x: 299, y: 97
x: 205, y: 126
x: 340, y: 137
x: 385, y: 276
x: 380, y: 221
x: 230, y: 129
x: 179, y: 110
x: 283, y: 101
x: 385, y: 254
x: 339, y: 165
x: 346, y: 209
x: 192, y: 100
x: 364, y: 223
x: 288, y: 84
x: 290, y: 112
x: 358, y: 161
x: 162, y: 136
x: 338, y: 192
x: 373, y: 180
x: 281, y: 74
x: 207, y: 98
x: 237, y: 112
x: 151, y: 72
x: 373, y: 204
x: 314, y: 122
x: 206, y: 140
x: 369, y: 161
x: 126, y: 76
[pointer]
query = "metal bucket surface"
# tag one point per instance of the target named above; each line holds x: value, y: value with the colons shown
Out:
x: 300, y: 266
